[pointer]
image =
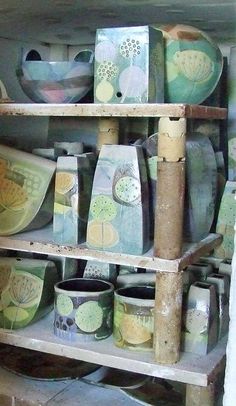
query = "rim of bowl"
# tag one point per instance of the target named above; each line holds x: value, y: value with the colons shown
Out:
x: 135, y: 300
x: 108, y: 287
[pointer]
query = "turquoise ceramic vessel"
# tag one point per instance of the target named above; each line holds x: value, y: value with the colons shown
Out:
x: 193, y: 64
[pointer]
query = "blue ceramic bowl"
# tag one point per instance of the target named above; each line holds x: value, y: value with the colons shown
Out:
x: 55, y: 82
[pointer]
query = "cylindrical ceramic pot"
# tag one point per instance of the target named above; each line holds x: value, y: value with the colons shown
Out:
x: 134, y: 317
x: 83, y: 309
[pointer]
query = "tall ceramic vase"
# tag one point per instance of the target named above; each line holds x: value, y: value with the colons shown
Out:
x: 200, y: 319
x: 231, y: 115
x: 119, y: 209
x: 221, y: 283
x: 73, y: 186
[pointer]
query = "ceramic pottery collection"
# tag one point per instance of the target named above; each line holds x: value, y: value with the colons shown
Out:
x: 134, y: 317
x: 73, y: 185
x: 83, y: 309
x: 26, y: 290
x: 129, y: 65
x: 193, y: 64
x: 119, y: 208
x: 26, y: 195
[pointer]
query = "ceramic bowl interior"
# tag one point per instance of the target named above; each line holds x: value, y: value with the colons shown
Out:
x: 84, y: 285
x: 55, y: 81
x: 137, y: 292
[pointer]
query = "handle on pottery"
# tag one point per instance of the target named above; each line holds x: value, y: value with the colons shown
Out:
x: 85, y: 55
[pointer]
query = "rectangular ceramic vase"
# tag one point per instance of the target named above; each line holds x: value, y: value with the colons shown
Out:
x: 72, y: 195
x: 129, y: 65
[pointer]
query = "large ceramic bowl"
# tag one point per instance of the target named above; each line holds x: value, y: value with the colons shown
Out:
x: 26, y: 290
x: 193, y: 64
x: 55, y: 82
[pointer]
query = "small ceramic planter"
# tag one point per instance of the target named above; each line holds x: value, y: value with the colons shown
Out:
x: 134, y: 317
x: 200, y: 319
x: 83, y: 309
x: 226, y: 267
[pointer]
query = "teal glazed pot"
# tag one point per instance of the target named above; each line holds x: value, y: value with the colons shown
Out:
x: 134, y: 317
x: 83, y: 309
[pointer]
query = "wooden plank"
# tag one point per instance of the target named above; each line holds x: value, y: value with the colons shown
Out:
x: 191, y: 369
x: 41, y: 242
x: 114, y: 110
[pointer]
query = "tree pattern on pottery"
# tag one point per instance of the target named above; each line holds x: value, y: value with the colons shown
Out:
x: 23, y: 295
x: 73, y: 186
x: 119, y: 214
x: 225, y: 221
x: 193, y: 64
x: 81, y: 318
x: 25, y: 180
x: 129, y: 65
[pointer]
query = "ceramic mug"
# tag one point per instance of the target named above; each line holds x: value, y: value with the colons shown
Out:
x: 83, y: 309
x: 134, y: 317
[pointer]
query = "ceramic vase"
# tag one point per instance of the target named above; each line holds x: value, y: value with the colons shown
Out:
x: 225, y: 222
x: 200, y: 319
x: 73, y: 186
x: 26, y: 290
x: 26, y: 194
x: 201, y: 180
x: 222, y: 286
x: 226, y: 268
x: 119, y: 209
x: 136, y: 279
x: 134, y: 317
x: 83, y: 309
x: 129, y: 65
x: 231, y: 115
x: 100, y: 270
x: 67, y: 267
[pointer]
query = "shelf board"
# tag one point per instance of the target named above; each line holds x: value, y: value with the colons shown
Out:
x: 41, y: 242
x: 114, y: 110
x: 191, y: 369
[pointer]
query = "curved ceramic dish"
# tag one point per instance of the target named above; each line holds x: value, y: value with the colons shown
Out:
x: 26, y: 200
x: 193, y: 64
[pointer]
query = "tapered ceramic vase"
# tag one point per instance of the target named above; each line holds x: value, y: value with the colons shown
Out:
x: 200, y: 319
x: 119, y: 208
x: 100, y: 270
x: 222, y: 286
x: 74, y: 176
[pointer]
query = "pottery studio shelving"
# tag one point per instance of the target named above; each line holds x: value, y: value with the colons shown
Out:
x: 166, y: 361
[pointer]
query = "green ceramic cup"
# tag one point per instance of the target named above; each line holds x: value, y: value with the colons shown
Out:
x: 134, y: 317
x: 83, y: 309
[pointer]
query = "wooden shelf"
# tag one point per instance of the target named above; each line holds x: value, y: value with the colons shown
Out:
x: 115, y: 110
x: 192, y: 369
x: 41, y: 242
